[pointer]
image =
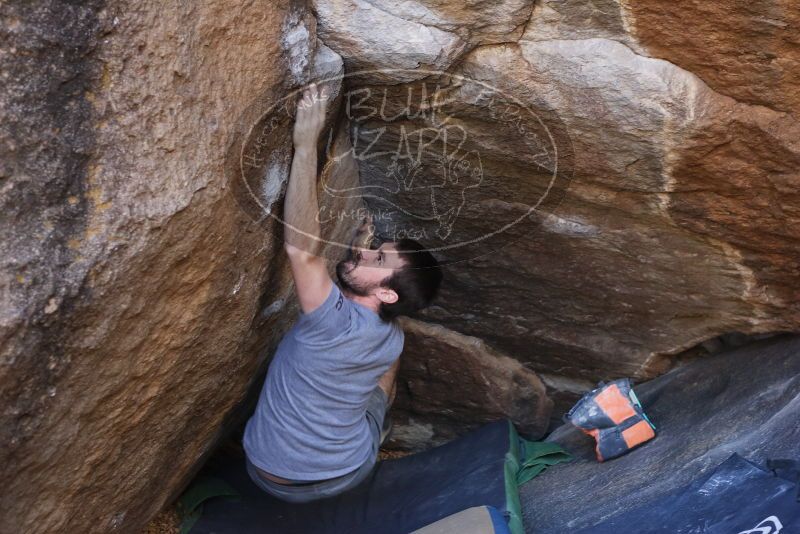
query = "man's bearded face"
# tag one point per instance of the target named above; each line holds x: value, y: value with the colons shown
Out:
x: 366, y: 270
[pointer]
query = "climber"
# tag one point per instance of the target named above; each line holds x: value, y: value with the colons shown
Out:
x: 321, y: 414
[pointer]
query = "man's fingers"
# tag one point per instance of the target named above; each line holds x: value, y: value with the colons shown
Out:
x: 305, y: 102
x: 314, y: 95
x: 311, y: 108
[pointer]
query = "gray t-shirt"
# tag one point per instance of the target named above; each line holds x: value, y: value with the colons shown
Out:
x: 310, y: 422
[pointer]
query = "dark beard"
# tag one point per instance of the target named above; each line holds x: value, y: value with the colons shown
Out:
x: 347, y: 283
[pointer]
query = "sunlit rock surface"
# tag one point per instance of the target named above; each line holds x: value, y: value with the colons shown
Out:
x: 140, y: 299
x: 378, y: 37
x: 613, y: 186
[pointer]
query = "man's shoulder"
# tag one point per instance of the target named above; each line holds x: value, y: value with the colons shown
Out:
x: 327, y: 321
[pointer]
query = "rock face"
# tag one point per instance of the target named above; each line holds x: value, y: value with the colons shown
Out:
x: 378, y: 35
x: 744, y: 401
x: 436, y: 368
x: 140, y: 299
x: 750, y: 53
x: 610, y: 183
x: 674, y: 157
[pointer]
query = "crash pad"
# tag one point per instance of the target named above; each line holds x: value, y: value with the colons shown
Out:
x: 482, y: 468
x: 475, y: 520
x: 739, y: 496
x: 744, y: 400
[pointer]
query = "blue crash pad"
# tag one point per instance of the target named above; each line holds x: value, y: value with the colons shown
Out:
x: 482, y: 468
x: 738, y: 497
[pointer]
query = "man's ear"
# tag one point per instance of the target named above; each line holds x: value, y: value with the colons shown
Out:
x: 387, y: 296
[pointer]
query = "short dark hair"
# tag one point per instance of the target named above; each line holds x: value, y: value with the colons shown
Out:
x: 416, y: 282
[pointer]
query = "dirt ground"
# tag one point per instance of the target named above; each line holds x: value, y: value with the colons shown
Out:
x: 166, y: 522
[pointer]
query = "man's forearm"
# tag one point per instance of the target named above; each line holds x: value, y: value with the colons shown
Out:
x: 300, y: 205
x: 301, y: 231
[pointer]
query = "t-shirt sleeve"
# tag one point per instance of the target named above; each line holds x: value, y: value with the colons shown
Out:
x: 327, y: 321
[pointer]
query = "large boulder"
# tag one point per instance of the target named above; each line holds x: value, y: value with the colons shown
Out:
x: 673, y: 215
x: 141, y: 299
x: 611, y: 186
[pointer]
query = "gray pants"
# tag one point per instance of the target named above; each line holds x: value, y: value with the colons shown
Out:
x: 376, y: 411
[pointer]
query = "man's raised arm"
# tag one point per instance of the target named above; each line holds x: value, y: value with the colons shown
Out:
x: 301, y: 230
